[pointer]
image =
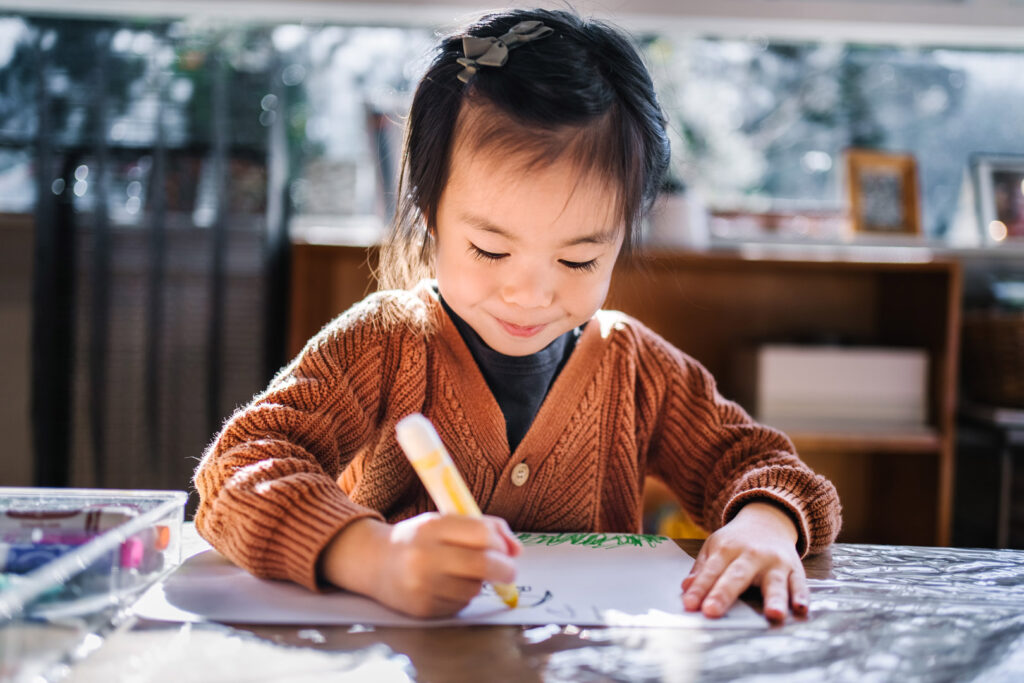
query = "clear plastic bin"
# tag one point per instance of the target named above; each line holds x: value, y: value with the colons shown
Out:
x: 61, y: 609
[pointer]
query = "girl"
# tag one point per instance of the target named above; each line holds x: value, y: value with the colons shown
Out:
x: 535, y: 144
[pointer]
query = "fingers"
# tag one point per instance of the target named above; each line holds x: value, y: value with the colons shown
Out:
x: 703, y: 578
x: 723, y: 571
x: 439, y: 562
x: 474, y: 532
x: 429, y: 605
x: 800, y: 595
x: 456, y: 590
x: 775, y: 592
x: 734, y: 580
x: 512, y: 544
x: 478, y: 565
x: 697, y: 568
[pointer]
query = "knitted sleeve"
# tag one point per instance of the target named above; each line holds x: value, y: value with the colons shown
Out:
x: 710, y: 452
x: 269, y: 497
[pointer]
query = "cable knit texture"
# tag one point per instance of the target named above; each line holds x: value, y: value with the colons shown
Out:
x: 317, y: 449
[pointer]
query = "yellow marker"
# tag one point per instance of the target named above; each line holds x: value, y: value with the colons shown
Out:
x: 423, y: 447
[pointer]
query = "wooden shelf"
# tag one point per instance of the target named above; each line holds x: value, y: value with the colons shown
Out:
x: 716, y: 305
x: 860, y: 437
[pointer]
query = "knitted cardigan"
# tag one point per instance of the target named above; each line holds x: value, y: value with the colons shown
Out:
x: 317, y: 449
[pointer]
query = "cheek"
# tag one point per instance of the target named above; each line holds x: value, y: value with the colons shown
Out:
x: 449, y: 262
x: 600, y: 287
x: 585, y: 295
x: 459, y: 274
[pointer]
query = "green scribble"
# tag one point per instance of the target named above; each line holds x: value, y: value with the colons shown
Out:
x: 592, y: 540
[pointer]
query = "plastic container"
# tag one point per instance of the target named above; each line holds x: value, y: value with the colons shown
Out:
x: 105, y: 547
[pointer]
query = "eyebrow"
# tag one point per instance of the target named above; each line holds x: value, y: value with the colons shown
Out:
x: 600, y: 237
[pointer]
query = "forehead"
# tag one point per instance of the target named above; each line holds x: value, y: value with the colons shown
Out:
x: 513, y: 194
x: 493, y: 152
x: 513, y: 188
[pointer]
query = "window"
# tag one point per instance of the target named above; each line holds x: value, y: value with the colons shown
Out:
x: 761, y: 126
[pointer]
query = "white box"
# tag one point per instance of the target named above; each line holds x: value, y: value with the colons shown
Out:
x: 843, y: 383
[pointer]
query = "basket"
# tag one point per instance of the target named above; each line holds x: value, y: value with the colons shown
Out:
x: 993, y: 357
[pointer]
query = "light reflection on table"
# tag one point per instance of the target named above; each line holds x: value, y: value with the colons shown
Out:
x: 877, y: 613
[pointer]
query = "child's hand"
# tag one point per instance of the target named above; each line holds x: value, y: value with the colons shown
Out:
x: 756, y: 548
x: 429, y: 566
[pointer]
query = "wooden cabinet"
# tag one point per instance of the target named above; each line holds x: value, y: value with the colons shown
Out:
x: 895, y: 482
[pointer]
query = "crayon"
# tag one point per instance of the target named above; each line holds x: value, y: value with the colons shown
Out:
x: 433, y: 465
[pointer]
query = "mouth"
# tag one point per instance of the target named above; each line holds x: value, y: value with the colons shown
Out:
x: 520, y: 330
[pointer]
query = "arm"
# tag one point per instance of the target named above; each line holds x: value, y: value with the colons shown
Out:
x: 269, y: 499
x: 270, y: 502
x: 743, y: 480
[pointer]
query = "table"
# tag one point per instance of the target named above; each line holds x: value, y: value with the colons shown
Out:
x: 878, y: 613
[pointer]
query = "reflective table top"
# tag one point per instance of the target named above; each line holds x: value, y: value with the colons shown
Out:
x: 878, y: 613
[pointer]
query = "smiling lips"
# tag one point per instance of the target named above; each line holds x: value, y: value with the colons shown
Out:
x: 520, y: 330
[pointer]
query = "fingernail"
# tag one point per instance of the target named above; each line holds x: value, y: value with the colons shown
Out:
x: 712, y: 605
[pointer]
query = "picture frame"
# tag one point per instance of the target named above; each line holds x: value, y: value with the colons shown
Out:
x: 999, y: 194
x: 883, y: 192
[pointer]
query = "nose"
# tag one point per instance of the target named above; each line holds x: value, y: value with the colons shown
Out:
x: 528, y: 287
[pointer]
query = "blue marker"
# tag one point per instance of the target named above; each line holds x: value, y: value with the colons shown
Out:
x: 21, y: 558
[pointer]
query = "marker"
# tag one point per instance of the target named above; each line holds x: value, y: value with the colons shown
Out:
x: 21, y: 558
x: 31, y: 537
x: 91, y: 521
x: 435, y: 468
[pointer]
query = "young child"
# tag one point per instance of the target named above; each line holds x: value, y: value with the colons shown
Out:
x: 535, y: 144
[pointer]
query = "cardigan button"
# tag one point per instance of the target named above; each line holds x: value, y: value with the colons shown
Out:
x: 520, y: 473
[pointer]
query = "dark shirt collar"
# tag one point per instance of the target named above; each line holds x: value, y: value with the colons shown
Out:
x: 546, y: 359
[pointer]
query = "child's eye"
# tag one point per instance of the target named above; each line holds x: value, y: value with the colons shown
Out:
x: 485, y: 255
x: 585, y: 266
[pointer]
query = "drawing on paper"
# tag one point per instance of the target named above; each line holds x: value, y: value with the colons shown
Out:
x: 592, y: 540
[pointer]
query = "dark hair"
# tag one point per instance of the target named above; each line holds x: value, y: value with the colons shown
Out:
x: 582, y: 91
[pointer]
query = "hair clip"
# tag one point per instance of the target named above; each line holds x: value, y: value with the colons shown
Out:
x: 491, y: 51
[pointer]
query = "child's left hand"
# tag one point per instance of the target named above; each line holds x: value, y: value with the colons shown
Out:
x: 756, y: 548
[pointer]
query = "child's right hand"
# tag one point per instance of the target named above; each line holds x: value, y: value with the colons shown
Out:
x: 431, y: 565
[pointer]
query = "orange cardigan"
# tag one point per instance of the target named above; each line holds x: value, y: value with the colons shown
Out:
x: 317, y: 450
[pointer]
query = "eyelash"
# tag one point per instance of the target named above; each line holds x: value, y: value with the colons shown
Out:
x: 584, y: 266
x: 482, y: 255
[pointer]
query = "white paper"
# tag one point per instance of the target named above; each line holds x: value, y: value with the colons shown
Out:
x: 580, y: 579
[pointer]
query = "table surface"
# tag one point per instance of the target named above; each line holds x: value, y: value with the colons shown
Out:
x: 878, y: 613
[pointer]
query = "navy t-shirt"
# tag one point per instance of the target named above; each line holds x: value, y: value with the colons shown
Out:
x: 519, y: 383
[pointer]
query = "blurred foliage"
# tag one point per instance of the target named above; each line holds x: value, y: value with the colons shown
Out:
x: 762, y: 126
x: 756, y: 125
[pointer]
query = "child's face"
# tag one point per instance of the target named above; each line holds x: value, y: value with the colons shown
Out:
x: 523, y: 257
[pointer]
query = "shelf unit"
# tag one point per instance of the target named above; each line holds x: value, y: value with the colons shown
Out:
x: 896, y: 483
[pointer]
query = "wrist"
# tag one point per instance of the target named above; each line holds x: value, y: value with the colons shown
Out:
x: 771, y: 515
x: 348, y: 561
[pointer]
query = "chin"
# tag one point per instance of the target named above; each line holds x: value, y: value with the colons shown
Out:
x: 511, y: 347
x: 524, y: 351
